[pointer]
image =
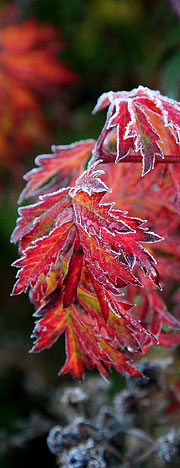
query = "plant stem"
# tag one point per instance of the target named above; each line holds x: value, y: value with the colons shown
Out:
x: 168, y: 158
x: 106, y: 157
x: 137, y: 158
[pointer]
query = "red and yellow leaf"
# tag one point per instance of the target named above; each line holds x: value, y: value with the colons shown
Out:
x: 103, y: 236
x: 85, y: 346
x: 79, y: 249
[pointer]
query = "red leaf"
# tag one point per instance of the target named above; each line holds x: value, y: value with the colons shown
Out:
x: 106, y: 233
x: 78, y: 251
x: 72, y: 278
x: 139, y: 116
x: 167, y: 339
x: 76, y: 361
x: 66, y: 162
x: 29, y: 64
x: 54, y: 321
x: 39, y: 219
x: 85, y: 347
x: 103, y: 236
x: 38, y: 258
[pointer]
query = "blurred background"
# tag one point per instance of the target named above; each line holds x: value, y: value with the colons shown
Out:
x: 56, y: 58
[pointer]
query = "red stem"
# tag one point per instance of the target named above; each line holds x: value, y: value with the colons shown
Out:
x: 168, y: 158
x: 137, y: 158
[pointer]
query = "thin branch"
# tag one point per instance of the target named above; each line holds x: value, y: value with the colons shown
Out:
x: 168, y: 158
x: 135, y: 158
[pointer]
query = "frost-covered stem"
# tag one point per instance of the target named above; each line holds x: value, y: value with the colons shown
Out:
x: 168, y: 158
x: 135, y: 158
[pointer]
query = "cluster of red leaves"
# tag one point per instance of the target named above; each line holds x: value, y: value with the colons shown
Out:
x: 28, y: 67
x: 146, y: 123
x: 78, y: 250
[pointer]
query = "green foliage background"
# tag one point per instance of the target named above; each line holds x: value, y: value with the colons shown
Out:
x: 111, y: 44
